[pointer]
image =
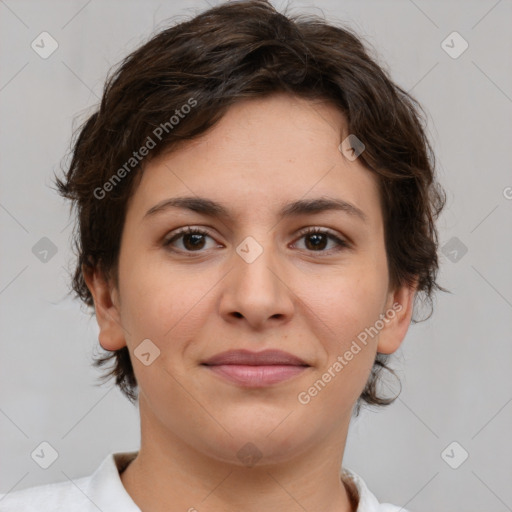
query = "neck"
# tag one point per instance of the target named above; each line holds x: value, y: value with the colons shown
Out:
x: 168, y: 472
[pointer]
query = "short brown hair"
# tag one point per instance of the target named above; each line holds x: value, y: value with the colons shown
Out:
x: 234, y: 51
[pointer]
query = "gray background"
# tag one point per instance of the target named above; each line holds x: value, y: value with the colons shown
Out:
x: 455, y: 367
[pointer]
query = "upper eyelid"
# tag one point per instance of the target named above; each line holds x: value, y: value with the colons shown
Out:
x: 324, y: 230
x: 207, y: 231
x: 187, y: 230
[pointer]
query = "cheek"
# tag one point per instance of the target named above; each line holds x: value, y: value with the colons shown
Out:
x: 348, y: 300
x: 166, y: 306
x: 348, y: 351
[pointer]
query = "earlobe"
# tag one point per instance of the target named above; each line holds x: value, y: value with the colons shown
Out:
x: 111, y: 336
x: 398, y: 314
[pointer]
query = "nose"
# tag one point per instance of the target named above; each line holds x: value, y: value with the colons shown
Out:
x: 257, y: 291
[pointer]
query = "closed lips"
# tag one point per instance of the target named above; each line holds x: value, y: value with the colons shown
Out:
x: 248, y: 358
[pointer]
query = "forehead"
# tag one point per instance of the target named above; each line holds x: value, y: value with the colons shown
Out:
x: 263, y: 153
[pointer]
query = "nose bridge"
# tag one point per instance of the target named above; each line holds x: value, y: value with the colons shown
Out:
x: 252, y: 262
x: 254, y: 288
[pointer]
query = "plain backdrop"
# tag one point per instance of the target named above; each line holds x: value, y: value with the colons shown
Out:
x: 455, y: 368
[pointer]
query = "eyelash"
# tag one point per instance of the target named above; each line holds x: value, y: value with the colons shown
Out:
x: 342, y: 244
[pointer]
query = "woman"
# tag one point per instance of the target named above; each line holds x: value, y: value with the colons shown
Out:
x: 256, y: 203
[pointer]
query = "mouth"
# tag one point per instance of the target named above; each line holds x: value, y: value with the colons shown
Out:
x: 256, y: 369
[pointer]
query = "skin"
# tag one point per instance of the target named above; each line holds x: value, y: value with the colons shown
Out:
x: 310, y: 302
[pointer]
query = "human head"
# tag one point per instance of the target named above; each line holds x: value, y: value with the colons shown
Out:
x: 184, y: 80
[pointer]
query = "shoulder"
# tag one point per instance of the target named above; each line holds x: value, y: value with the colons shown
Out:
x: 102, y: 490
x: 57, y: 496
x: 367, y: 501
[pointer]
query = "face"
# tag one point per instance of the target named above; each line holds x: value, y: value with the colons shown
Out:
x: 254, y: 276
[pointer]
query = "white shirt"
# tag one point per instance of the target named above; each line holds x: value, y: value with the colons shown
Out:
x: 104, y: 491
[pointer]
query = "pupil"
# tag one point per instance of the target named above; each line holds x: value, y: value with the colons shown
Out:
x: 197, y: 237
x: 319, y: 239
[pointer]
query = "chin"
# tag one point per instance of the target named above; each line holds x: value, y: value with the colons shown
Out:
x: 263, y: 445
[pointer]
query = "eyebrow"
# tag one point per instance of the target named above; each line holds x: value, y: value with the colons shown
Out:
x: 213, y: 209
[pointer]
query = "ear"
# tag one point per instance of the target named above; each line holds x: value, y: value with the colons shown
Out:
x: 397, y: 318
x: 106, y: 305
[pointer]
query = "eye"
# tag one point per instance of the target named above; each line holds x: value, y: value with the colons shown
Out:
x: 317, y: 239
x: 193, y: 239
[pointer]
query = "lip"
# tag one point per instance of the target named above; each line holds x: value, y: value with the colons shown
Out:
x: 263, y: 358
x: 256, y: 369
